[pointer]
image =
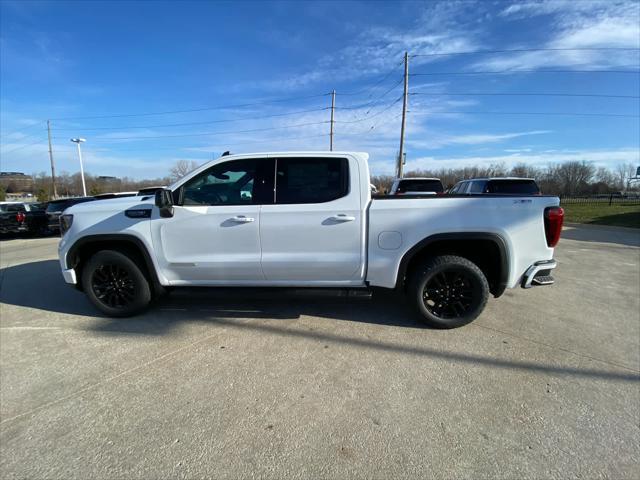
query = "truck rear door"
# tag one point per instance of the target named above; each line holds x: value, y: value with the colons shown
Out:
x: 313, y: 232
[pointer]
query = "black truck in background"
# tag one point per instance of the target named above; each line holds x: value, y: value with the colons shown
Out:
x: 56, y: 207
x: 29, y: 218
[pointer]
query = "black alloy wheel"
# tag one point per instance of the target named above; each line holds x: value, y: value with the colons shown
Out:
x: 115, y: 284
x: 448, y: 291
x: 449, y: 294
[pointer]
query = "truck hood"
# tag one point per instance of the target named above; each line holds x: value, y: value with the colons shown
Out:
x: 111, y: 205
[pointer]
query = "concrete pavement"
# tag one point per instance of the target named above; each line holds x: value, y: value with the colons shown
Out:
x: 220, y: 384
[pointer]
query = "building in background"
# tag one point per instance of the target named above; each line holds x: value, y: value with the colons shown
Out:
x: 16, y: 182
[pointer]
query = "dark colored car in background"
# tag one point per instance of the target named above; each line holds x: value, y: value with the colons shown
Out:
x: 27, y: 218
x: 496, y: 186
x: 56, y: 207
x: 416, y: 186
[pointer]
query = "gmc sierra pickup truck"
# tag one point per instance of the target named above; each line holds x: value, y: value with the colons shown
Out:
x: 307, y: 219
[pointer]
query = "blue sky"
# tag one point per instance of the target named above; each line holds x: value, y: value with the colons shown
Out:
x: 258, y: 74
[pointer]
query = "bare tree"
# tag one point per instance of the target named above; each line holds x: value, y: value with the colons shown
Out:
x: 181, y: 168
x: 525, y: 171
x: 574, y: 177
x: 623, y: 172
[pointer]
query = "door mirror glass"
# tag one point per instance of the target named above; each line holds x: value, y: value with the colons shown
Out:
x: 164, y: 201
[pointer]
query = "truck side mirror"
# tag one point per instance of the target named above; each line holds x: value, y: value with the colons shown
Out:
x: 164, y: 201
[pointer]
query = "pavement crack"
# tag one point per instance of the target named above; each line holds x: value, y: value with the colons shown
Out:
x: 112, y: 378
x: 555, y: 347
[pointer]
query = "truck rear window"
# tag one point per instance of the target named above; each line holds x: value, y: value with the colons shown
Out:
x: 420, y: 186
x: 311, y: 180
x: 514, y: 187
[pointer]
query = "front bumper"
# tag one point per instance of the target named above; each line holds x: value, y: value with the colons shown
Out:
x: 70, y: 276
x: 539, y: 274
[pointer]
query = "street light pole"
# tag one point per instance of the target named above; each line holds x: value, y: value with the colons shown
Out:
x: 78, y: 141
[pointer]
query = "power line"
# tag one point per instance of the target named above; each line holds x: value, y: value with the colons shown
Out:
x: 367, y: 117
x: 209, y: 133
x: 23, y: 146
x: 194, y: 123
x: 202, y: 109
x: 40, y: 122
x: 395, y: 68
x: 597, y: 95
x: 374, y: 126
x: 522, y: 50
x: 374, y: 102
x: 577, y: 114
x: 510, y: 72
x: 22, y: 139
x: 222, y: 144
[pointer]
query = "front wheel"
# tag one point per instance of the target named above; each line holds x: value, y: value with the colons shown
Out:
x: 448, y: 291
x: 115, y: 284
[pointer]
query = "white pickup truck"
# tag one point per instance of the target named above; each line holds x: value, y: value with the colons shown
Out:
x: 307, y: 219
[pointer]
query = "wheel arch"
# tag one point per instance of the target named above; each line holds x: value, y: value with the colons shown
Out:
x: 130, y: 245
x: 491, y: 255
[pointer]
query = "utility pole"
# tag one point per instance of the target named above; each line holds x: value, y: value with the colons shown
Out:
x: 53, y: 166
x: 405, y: 97
x: 333, y: 107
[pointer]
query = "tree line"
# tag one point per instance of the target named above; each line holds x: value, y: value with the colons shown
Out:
x: 568, y: 178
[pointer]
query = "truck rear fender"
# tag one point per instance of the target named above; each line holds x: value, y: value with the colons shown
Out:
x: 487, y: 250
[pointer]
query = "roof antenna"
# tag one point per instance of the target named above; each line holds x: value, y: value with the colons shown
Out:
x: 226, y: 153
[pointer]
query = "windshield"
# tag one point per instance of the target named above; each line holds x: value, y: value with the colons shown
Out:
x: 420, y: 186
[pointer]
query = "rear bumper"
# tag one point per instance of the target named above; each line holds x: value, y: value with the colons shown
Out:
x: 539, y: 274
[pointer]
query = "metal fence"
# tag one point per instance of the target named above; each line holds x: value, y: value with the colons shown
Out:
x: 604, y: 199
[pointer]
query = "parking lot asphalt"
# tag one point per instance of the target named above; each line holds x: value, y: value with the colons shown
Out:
x: 248, y: 383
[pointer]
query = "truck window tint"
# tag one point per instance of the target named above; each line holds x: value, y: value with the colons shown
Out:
x: 514, y: 187
x: 311, y: 180
x: 476, y: 187
x: 237, y: 182
x: 15, y: 208
x: 420, y: 186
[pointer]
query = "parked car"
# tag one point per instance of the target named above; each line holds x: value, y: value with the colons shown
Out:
x: 10, y: 218
x: 416, y: 186
x: 304, y: 219
x: 29, y: 218
x: 496, y: 185
x: 56, y: 207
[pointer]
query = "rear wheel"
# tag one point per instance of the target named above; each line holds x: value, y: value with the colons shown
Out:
x: 448, y: 291
x: 115, y: 284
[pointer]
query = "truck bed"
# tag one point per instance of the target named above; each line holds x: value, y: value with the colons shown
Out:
x: 396, y: 223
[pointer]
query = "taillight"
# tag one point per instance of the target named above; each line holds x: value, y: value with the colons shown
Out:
x: 553, y: 220
x: 20, y: 216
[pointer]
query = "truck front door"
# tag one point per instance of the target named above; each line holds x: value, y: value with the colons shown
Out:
x: 213, y: 236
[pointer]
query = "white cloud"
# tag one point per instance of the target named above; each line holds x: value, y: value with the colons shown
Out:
x: 437, y: 140
x: 441, y: 27
x: 576, y: 24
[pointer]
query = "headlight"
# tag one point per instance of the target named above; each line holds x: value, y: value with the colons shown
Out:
x: 65, y: 223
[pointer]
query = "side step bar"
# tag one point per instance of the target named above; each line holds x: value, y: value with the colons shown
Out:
x: 539, y: 274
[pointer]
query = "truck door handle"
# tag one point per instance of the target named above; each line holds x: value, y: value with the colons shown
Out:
x: 341, y: 217
x: 242, y: 219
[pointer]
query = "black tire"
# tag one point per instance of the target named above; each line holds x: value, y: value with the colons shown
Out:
x: 448, y: 291
x: 115, y: 284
